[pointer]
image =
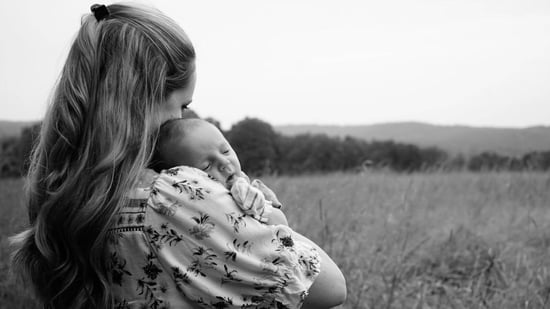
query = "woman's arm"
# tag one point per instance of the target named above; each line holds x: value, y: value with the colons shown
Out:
x: 216, y: 255
x: 329, y: 289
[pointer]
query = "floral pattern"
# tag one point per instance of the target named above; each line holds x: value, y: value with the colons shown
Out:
x: 182, y: 242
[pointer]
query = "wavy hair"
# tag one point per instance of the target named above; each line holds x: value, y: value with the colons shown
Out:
x: 98, y: 134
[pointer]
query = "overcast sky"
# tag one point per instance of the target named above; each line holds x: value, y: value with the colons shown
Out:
x: 471, y: 62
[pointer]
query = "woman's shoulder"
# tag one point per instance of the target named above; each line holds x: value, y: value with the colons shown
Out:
x: 183, y: 180
x: 147, y: 177
x: 153, y: 189
x: 181, y: 173
x: 181, y: 185
x: 170, y: 195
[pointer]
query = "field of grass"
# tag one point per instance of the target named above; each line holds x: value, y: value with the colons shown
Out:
x: 439, y: 240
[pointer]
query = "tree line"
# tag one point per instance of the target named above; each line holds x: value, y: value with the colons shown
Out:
x: 263, y: 151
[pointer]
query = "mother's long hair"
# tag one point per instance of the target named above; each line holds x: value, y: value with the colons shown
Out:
x: 98, y: 134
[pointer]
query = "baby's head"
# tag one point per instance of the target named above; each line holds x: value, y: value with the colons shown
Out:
x: 197, y: 143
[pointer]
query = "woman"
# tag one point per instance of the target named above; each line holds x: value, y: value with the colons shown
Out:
x: 105, y: 231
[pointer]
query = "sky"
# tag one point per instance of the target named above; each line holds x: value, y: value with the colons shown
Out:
x: 450, y: 62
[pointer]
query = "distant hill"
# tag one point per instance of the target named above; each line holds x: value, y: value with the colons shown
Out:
x: 454, y: 139
x: 13, y: 128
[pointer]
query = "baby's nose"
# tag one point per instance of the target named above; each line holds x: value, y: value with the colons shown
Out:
x: 226, y: 167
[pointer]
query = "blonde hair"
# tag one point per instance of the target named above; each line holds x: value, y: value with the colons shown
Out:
x: 98, y: 134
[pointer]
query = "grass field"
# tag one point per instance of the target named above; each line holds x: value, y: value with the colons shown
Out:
x: 458, y: 240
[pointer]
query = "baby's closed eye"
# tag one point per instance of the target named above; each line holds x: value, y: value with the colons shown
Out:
x: 206, y: 166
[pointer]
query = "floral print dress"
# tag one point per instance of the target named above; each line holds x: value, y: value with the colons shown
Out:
x: 182, y: 242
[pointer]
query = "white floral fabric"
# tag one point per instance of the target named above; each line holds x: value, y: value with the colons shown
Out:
x: 182, y: 242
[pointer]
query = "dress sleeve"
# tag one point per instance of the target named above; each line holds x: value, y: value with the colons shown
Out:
x: 218, y: 256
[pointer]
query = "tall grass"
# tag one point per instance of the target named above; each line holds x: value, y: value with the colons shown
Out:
x: 13, y: 218
x: 438, y: 240
x: 458, y: 240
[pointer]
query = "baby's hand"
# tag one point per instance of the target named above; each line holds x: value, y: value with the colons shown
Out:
x: 256, y: 199
x: 268, y: 193
x: 233, y: 178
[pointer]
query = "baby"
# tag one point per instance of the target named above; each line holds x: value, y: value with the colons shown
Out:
x: 198, y: 143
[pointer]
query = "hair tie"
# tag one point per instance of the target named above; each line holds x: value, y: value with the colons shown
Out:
x: 100, y: 11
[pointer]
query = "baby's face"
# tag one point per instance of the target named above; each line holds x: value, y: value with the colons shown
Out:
x: 207, y: 149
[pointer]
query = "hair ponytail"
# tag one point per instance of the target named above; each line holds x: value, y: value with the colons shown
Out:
x: 97, y: 136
